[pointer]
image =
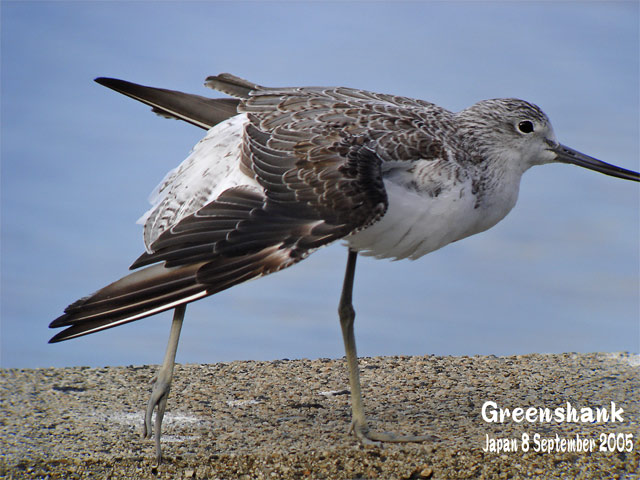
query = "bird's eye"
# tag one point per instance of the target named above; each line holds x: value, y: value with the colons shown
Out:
x: 525, y: 126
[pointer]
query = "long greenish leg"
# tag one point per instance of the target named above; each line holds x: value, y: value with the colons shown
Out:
x: 347, y: 317
x: 162, y: 384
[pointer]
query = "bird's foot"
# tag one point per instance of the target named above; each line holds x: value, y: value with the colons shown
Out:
x: 159, y: 396
x: 368, y: 437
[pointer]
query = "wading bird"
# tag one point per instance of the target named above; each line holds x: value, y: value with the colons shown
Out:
x: 282, y: 172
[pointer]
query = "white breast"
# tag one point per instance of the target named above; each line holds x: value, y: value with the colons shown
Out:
x: 212, y: 167
x: 417, y: 222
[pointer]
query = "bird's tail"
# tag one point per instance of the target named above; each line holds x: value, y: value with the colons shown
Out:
x: 138, y: 295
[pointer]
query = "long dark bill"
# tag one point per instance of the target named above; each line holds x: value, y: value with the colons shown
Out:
x: 569, y: 155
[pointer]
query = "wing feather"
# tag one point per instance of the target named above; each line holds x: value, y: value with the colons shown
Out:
x: 200, y: 111
x: 309, y: 169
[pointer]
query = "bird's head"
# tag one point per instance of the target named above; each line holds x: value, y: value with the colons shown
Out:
x: 519, y: 132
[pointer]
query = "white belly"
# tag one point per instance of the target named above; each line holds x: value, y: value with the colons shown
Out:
x: 416, y: 223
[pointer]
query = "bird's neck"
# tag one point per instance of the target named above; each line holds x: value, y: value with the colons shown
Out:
x: 496, y: 185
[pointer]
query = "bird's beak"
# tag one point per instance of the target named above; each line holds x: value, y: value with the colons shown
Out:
x: 569, y: 155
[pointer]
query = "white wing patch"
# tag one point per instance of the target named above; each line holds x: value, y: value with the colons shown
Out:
x: 212, y: 167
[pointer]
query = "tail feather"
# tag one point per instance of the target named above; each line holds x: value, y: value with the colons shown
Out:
x: 200, y: 111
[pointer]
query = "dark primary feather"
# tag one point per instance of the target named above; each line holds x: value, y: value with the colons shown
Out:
x: 146, y: 290
x: 157, y: 288
x: 200, y: 111
x: 317, y: 153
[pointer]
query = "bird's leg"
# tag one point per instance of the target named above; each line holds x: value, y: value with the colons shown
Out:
x: 347, y: 317
x: 162, y: 383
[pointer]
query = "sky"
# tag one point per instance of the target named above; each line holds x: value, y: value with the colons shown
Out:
x: 559, y: 274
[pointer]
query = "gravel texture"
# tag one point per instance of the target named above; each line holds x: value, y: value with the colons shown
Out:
x: 289, y: 419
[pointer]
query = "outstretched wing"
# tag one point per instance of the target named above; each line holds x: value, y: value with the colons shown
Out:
x: 318, y: 154
x: 315, y: 159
